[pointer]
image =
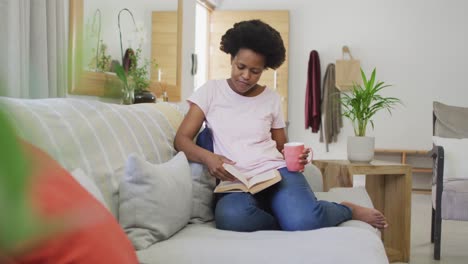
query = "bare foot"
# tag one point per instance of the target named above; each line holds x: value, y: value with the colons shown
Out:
x: 369, y: 215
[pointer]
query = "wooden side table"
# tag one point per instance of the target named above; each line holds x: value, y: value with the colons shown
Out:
x: 389, y: 187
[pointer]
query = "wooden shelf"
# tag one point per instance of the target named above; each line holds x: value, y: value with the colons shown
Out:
x: 404, y: 153
x: 423, y: 170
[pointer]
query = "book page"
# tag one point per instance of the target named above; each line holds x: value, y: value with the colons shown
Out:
x: 236, y: 173
x: 234, y: 186
x: 262, y: 177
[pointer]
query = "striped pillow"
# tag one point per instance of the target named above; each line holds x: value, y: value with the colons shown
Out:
x: 95, y: 136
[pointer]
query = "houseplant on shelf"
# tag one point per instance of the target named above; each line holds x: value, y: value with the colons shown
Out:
x: 101, y: 63
x: 128, y: 91
x: 140, y: 77
x: 360, y: 106
x: 135, y: 79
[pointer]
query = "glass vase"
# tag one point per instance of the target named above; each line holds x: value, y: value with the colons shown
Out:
x: 128, y: 96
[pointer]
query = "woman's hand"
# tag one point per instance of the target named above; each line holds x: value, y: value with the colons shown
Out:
x: 216, y: 169
x: 304, y: 157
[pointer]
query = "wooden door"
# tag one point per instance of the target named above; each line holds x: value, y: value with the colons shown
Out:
x: 164, y: 51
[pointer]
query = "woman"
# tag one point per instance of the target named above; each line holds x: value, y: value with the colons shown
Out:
x: 248, y: 132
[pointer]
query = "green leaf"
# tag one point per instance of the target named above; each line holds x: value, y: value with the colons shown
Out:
x: 120, y: 71
x: 363, y: 76
x: 372, y: 79
x: 365, y: 101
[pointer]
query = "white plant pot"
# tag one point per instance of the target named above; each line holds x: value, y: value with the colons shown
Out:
x: 361, y: 149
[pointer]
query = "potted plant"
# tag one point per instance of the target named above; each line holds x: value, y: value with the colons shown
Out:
x: 140, y: 77
x: 102, y: 61
x: 135, y: 78
x: 360, y: 106
x: 128, y: 91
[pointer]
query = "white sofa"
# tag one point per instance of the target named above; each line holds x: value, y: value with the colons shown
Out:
x: 98, y: 138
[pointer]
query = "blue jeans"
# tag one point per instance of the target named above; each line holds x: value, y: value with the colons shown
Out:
x: 288, y: 205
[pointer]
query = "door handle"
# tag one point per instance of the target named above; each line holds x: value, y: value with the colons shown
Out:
x: 193, y: 71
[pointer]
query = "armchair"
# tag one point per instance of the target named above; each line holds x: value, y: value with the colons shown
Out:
x: 450, y: 172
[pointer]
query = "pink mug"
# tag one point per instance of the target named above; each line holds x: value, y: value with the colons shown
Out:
x: 292, y: 151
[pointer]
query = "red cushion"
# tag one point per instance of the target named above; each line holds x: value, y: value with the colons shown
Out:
x: 95, y: 236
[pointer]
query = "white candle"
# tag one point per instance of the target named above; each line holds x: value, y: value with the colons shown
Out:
x: 159, y: 75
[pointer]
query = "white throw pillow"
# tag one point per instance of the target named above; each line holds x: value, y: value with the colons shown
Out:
x: 455, y: 165
x: 203, y: 185
x: 89, y: 184
x: 155, y: 200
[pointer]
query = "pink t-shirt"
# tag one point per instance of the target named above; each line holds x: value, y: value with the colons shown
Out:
x: 241, y: 125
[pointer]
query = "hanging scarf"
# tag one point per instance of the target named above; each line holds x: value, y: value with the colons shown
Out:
x: 331, y: 108
x: 313, y: 94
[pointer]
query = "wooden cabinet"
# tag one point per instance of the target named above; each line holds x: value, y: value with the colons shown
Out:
x: 164, y: 51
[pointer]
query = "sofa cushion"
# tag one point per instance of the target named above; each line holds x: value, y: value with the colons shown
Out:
x: 155, y: 200
x: 95, y: 136
x: 204, y: 244
x: 203, y: 182
x: 357, y: 195
x: 93, y: 235
x: 455, y: 165
x: 454, y: 199
x: 451, y: 121
x: 203, y: 185
x: 89, y: 184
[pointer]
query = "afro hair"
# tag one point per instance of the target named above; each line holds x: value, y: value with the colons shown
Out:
x: 257, y: 36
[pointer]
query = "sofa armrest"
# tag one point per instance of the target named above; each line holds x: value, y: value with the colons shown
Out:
x: 437, y: 164
x: 438, y: 175
x: 313, y: 175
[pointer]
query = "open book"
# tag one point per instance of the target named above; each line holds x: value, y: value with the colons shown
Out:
x: 244, y: 184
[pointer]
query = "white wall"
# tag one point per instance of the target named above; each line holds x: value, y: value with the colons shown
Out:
x: 419, y: 46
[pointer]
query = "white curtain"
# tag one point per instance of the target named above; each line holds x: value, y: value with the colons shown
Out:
x: 34, y: 48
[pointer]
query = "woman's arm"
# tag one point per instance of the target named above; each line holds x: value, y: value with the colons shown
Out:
x: 183, y: 141
x: 279, y: 135
x: 187, y: 131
